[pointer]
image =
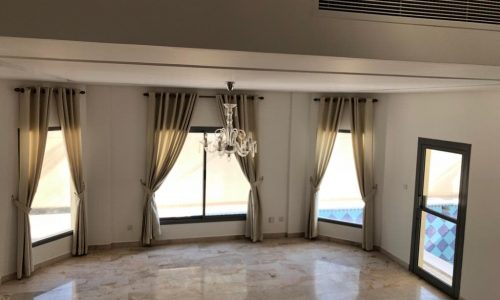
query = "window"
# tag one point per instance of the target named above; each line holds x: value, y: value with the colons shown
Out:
x: 51, y: 209
x: 202, y: 186
x: 339, y: 197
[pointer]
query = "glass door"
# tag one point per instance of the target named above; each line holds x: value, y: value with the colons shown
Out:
x: 439, y: 214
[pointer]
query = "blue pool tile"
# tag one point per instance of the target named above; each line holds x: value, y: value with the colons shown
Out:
x: 354, y: 215
x: 440, y: 235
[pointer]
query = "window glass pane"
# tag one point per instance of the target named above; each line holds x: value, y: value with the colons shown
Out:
x: 181, y: 194
x: 227, y: 186
x: 51, y: 208
x: 437, y: 239
x: 339, y: 196
x: 442, y: 181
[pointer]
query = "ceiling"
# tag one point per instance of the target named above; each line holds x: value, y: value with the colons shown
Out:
x: 102, y: 63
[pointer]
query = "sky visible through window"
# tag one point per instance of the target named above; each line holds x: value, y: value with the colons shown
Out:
x: 339, y: 195
x: 51, y: 209
x: 181, y: 194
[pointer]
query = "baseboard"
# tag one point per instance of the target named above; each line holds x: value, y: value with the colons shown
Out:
x: 38, y: 266
x: 296, y: 235
x: 278, y: 235
x: 8, y: 277
x: 392, y: 257
x: 52, y: 261
x: 337, y: 240
x: 282, y: 235
x: 167, y: 242
x: 274, y: 235
x: 114, y: 246
x: 207, y: 239
x: 398, y: 261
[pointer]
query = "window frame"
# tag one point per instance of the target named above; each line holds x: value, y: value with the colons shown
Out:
x: 52, y: 238
x: 57, y: 236
x: 355, y: 225
x: 203, y: 218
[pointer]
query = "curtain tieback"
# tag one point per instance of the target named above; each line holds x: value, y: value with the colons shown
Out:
x: 257, y: 182
x: 314, y: 186
x: 148, y: 191
x: 371, y: 194
x: 21, y: 205
x: 80, y: 195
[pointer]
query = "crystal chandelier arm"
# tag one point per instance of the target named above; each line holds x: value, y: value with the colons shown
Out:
x: 229, y: 140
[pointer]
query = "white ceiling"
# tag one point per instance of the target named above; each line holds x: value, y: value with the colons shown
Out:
x: 101, y: 63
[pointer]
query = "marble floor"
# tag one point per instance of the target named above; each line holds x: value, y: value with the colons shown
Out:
x: 275, y: 269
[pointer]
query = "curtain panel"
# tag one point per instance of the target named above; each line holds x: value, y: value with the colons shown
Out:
x: 169, y: 119
x: 68, y: 110
x: 362, y: 142
x: 245, y: 119
x: 33, y: 128
x: 330, y: 116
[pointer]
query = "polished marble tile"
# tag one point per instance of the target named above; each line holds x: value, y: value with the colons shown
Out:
x: 275, y: 269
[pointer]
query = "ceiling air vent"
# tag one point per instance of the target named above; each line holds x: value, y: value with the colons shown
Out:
x: 486, y: 11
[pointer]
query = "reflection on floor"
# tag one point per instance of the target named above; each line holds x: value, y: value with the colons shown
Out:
x: 275, y: 269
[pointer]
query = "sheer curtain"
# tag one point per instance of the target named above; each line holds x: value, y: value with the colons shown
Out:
x: 330, y: 116
x: 245, y: 119
x: 33, y: 128
x: 68, y: 110
x: 169, y: 119
x: 362, y: 142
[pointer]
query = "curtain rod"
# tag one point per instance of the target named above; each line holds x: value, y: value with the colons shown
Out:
x: 213, y: 96
x: 21, y: 90
x: 362, y: 100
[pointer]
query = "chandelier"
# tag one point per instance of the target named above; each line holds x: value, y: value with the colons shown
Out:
x: 230, y: 140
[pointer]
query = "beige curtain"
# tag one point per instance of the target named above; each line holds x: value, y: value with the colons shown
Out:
x: 68, y: 110
x: 245, y: 118
x: 169, y: 119
x: 330, y: 116
x: 33, y: 127
x: 362, y: 142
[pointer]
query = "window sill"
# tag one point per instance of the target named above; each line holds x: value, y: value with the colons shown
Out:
x: 200, y: 219
x: 52, y: 238
x: 340, y: 223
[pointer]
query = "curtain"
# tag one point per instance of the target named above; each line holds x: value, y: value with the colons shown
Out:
x: 169, y: 119
x: 362, y: 142
x: 33, y: 127
x: 245, y: 119
x: 68, y: 110
x: 330, y: 116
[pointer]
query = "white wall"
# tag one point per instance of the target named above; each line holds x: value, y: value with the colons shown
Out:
x: 468, y: 117
x: 273, y: 134
x: 298, y: 161
x: 114, y: 156
x: 52, y: 250
x: 116, y: 151
x: 278, y: 26
x: 8, y: 176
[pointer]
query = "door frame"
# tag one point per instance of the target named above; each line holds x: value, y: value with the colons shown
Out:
x: 464, y: 150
